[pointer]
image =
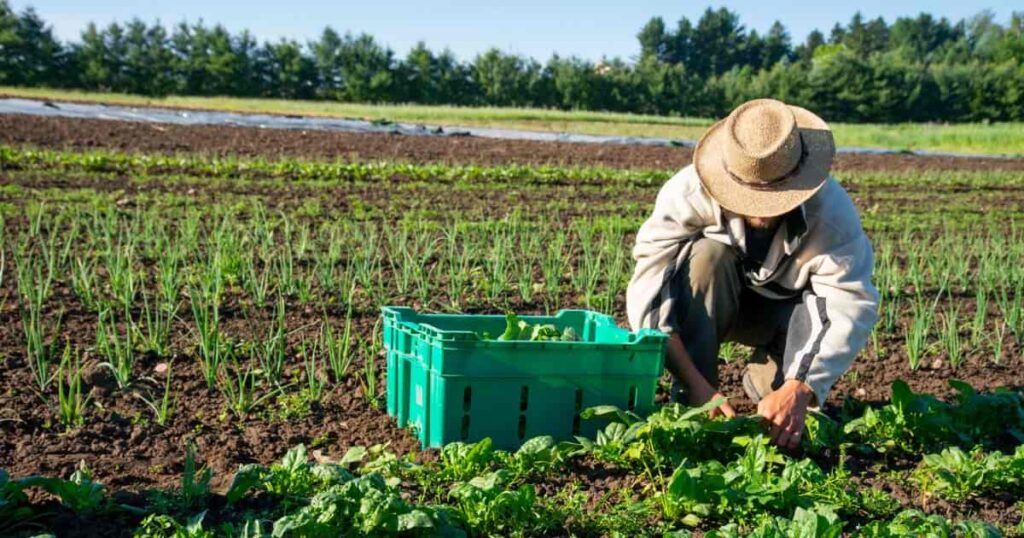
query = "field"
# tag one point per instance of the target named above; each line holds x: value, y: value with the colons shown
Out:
x: 190, y: 343
x: 987, y: 138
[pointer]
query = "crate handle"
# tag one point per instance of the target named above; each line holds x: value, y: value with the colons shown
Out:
x: 644, y: 335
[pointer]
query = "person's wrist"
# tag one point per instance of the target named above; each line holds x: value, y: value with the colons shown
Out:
x: 800, y: 388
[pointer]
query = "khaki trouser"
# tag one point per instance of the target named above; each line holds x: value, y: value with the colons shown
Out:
x: 714, y: 305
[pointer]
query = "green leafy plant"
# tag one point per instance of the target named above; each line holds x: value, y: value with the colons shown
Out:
x: 338, y: 350
x: 486, y: 507
x: 517, y: 329
x: 71, y: 402
x: 364, y: 505
x: 371, y: 348
x: 315, y: 380
x: 15, y: 512
x: 270, y: 351
x: 917, y: 332
x: 155, y: 333
x: 951, y: 337
x: 191, y: 493
x: 206, y: 313
x: 239, y: 383
x: 83, y: 282
x: 819, y: 523
x: 760, y: 480
x: 462, y: 461
x: 913, y: 422
x: 916, y: 523
x: 40, y: 354
x: 165, y: 526
x: 164, y: 407
x: 117, y: 346
x: 79, y: 493
x: 957, y: 475
x: 538, y: 456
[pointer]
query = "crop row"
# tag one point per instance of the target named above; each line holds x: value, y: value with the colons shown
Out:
x: 296, y: 170
x: 685, y: 471
x: 141, y: 275
x: 100, y: 161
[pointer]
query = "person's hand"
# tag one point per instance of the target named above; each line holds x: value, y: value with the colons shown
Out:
x: 701, y: 392
x: 698, y: 390
x: 785, y: 411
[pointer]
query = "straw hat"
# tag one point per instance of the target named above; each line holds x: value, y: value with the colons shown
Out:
x: 765, y: 159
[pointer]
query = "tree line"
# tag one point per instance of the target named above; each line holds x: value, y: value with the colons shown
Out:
x: 916, y: 69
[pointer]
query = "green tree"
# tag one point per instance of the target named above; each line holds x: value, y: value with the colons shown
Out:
x: 777, y: 46
x: 505, y: 79
x: 805, y: 51
x: 864, y: 38
x: 248, y: 65
x: 148, y: 59
x: 206, y: 62
x: 1010, y: 45
x: 838, y: 83
x: 285, y: 72
x: 654, y: 40
x: 923, y: 36
x: 354, y: 68
x: 718, y: 42
x: 96, y: 70
x: 576, y: 84
x: 29, y: 53
x: 435, y: 79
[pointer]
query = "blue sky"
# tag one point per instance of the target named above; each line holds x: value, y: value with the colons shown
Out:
x: 537, y: 28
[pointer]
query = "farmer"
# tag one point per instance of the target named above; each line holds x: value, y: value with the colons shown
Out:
x: 756, y: 243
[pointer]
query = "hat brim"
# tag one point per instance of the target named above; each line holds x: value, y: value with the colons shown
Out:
x: 776, y: 198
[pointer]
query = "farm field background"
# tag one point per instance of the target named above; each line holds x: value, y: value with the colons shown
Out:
x: 1005, y: 138
x: 184, y: 298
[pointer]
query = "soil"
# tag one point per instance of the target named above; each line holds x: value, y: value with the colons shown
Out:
x: 129, y: 454
x: 249, y: 141
x: 126, y: 450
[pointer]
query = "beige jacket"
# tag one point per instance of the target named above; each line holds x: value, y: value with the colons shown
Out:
x: 825, y: 256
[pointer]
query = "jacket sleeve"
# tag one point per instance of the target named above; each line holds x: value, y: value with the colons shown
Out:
x: 835, y: 318
x: 673, y: 223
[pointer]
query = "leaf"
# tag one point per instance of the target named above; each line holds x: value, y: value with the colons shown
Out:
x: 545, y: 332
x: 295, y: 459
x: 610, y: 412
x: 354, y: 454
x: 964, y: 389
x: 511, y: 327
x: 490, y: 480
x: 285, y: 525
x: 195, y: 523
x: 536, y: 445
x: 252, y: 528
x: 706, y: 408
x: 901, y: 394
x: 633, y: 432
x: 417, y: 519
x: 616, y: 431
x: 682, y: 485
x: 247, y: 478
x: 815, y: 524
x: 331, y: 474
x: 80, y: 493
x: 599, y: 411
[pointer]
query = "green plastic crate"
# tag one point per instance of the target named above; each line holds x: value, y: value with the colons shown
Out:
x: 449, y: 385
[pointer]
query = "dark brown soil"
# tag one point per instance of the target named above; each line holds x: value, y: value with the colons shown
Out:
x: 128, y: 453
x: 126, y: 450
x: 250, y: 141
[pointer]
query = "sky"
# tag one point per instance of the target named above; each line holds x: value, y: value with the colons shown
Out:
x: 589, y: 29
